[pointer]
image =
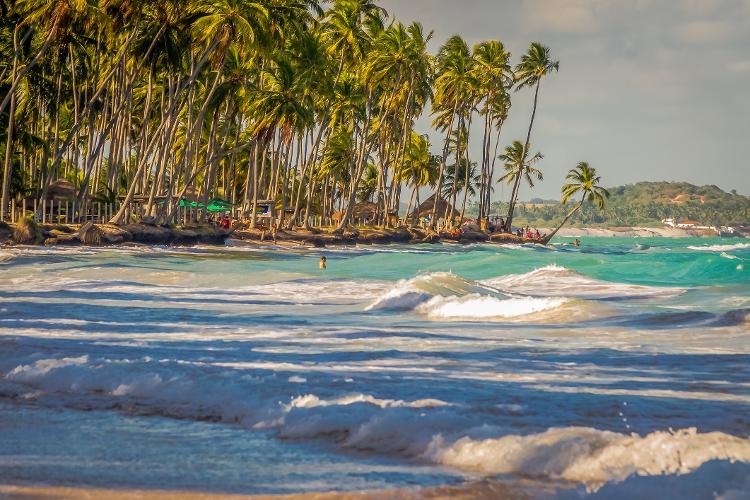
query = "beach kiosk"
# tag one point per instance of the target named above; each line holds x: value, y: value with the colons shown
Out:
x: 264, y: 212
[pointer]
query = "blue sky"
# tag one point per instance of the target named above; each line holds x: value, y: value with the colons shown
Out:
x: 647, y: 89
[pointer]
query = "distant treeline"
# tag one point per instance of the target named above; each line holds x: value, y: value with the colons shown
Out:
x: 643, y: 203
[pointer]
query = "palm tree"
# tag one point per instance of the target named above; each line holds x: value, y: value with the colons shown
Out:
x: 518, y: 166
x: 535, y: 64
x: 145, y: 103
x: 453, y: 98
x: 419, y: 168
x: 494, y: 77
x: 584, y: 180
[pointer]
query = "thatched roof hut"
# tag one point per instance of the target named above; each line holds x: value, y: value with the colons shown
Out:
x: 61, y: 190
x: 425, y: 209
x: 364, y: 211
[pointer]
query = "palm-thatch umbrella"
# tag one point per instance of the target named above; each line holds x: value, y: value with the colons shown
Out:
x: 425, y: 209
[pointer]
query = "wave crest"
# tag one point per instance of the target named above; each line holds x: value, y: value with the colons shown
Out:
x: 547, y: 294
x: 590, y: 456
x: 484, y: 307
x: 554, y: 280
x: 720, y: 248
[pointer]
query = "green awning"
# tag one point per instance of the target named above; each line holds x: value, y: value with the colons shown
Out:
x: 215, y: 205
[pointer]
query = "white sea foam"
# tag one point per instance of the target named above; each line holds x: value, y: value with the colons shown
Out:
x: 554, y: 280
x: 409, y: 294
x: 720, y: 248
x: 484, y: 307
x: 42, y: 367
x: 431, y: 429
x: 590, y: 456
x: 445, y: 296
x: 297, y: 357
x: 313, y: 401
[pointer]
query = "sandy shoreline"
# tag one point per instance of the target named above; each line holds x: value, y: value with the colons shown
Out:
x: 480, y: 490
x: 143, y: 234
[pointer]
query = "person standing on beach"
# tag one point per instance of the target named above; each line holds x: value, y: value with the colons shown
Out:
x: 323, y: 262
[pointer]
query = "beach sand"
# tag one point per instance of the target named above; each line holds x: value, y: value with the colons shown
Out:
x: 479, y: 490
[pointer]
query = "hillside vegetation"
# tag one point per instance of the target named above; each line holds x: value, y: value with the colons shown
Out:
x: 644, y: 203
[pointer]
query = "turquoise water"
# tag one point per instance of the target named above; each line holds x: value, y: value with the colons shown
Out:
x: 645, y: 261
x: 608, y: 370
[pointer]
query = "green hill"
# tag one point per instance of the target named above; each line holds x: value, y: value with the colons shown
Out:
x: 646, y: 203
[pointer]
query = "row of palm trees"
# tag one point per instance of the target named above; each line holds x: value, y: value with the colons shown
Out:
x: 252, y: 100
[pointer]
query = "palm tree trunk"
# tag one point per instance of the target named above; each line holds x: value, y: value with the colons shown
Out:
x: 491, y: 169
x: 454, y: 187
x: 485, y: 161
x: 467, y: 171
x: 285, y: 167
x: 359, y: 169
x: 547, y: 239
x: 517, y: 183
x: 8, y: 164
x: 441, y: 174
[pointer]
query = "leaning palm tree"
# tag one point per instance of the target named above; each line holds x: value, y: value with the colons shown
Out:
x: 535, y: 64
x: 583, y: 179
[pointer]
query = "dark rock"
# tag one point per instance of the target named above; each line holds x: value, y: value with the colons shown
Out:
x: 90, y: 234
x: 214, y: 236
x: 473, y: 236
x: 184, y: 237
x: 59, y: 228
x: 114, y: 235
x: 150, y: 235
x: 54, y: 233
x: 68, y: 240
x: 401, y: 235
x: 27, y: 232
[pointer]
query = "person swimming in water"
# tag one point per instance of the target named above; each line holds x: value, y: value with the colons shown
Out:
x: 323, y: 262
x: 577, y: 243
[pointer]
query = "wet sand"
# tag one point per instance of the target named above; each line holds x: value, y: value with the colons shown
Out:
x: 481, y: 490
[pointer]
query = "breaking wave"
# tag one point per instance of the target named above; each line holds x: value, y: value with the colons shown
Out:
x: 427, y: 430
x: 546, y: 294
x: 590, y: 456
x: 720, y: 248
x: 446, y: 296
x: 555, y: 280
x: 482, y: 307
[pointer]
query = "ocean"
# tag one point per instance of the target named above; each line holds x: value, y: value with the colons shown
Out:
x: 618, y: 369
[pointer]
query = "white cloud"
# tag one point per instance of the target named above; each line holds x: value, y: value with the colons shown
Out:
x: 705, y: 32
x: 739, y: 66
x: 700, y: 7
x: 563, y: 16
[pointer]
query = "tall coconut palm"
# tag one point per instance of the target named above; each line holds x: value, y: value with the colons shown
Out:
x: 494, y: 77
x: 583, y: 179
x: 535, y: 64
x: 454, y: 97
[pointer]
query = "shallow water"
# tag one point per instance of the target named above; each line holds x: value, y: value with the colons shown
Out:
x: 614, y: 368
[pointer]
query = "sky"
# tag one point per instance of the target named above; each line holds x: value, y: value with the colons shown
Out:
x: 655, y: 90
